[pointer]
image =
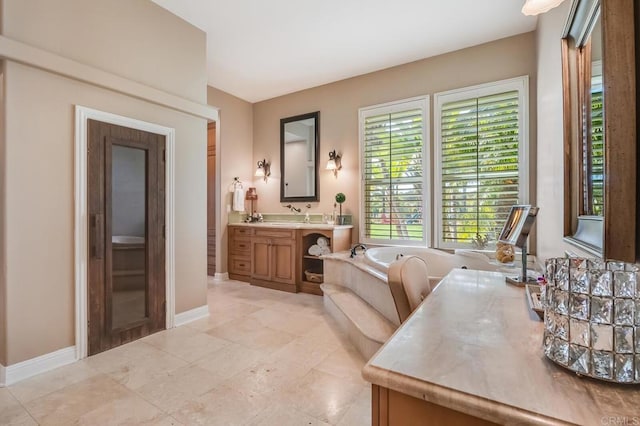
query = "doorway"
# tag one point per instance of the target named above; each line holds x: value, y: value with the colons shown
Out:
x: 126, y: 238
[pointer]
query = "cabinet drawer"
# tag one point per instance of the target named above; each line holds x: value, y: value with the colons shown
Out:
x: 240, y: 265
x: 241, y: 247
x: 240, y: 232
x: 289, y: 234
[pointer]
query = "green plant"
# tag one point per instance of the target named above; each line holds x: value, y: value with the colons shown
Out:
x: 340, y: 198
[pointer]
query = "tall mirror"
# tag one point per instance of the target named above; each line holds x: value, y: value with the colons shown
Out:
x: 598, y: 61
x: 299, y: 143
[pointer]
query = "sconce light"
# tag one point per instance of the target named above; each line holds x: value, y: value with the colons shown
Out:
x: 334, y: 163
x: 536, y: 7
x: 264, y: 169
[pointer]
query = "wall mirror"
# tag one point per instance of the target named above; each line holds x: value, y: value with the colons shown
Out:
x: 598, y: 61
x: 299, y: 143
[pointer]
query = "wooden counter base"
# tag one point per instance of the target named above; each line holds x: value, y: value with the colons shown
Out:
x: 394, y: 408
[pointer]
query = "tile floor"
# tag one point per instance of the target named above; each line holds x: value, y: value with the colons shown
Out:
x: 262, y: 357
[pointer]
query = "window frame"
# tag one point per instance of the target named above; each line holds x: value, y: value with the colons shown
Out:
x: 519, y: 84
x: 388, y: 108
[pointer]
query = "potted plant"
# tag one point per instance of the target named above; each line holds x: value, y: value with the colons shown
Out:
x: 340, y: 198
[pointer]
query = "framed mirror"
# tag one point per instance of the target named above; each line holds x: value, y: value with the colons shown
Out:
x: 299, y: 144
x: 598, y: 66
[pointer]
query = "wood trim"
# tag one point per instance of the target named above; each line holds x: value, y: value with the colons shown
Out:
x: 620, y: 218
x: 25, y: 54
x: 567, y: 135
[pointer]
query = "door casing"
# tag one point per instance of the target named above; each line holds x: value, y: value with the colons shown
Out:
x: 82, y: 115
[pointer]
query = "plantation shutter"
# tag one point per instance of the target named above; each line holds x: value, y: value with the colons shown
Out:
x: 393, y: 163
x: 479, y: 166
x: 597, y: 153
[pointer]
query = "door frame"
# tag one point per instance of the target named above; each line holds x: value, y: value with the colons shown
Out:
x: 82, y: 114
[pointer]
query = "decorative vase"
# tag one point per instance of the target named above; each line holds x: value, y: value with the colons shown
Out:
x: 592, y: 318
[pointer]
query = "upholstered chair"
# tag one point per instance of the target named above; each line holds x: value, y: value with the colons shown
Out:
x: 409, y: 283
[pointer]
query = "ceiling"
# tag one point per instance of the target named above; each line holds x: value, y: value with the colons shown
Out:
x: 260, y: 49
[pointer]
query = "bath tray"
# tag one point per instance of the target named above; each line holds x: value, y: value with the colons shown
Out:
x: 534, y: 294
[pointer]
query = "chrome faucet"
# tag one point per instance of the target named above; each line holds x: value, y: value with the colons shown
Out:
x: 293, y: 208
x: 354, y: 248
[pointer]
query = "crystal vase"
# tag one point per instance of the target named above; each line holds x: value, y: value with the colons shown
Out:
x: 592, y: 318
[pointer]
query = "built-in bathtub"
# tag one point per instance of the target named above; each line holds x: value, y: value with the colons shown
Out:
x: 365, y: 277
x: 439, y: 262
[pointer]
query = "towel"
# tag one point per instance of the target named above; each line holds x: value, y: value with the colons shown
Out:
x: 238, y: 199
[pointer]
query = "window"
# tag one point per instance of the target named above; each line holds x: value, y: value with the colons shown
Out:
x: 480, y: 148
x: 395, y: 167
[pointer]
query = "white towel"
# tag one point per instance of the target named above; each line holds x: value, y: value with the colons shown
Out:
x: 238, y: 199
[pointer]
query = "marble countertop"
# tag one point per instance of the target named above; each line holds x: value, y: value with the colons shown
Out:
x: 291, y: 225
x: 474, y: 346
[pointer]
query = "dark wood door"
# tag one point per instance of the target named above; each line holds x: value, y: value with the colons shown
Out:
x: 126, y: 213
x: 211, y: 198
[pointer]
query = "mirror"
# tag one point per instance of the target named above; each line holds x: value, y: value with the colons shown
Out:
x: 299, y: 143
x: 598, y: 65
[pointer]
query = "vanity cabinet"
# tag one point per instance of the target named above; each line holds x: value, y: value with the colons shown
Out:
x: 273, y: 254
x: 277, y: 257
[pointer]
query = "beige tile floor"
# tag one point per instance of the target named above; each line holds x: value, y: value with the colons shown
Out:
x: 262, y: 357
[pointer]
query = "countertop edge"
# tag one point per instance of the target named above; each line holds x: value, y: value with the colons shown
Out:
x: 453, y: 399
x: 294, y: 225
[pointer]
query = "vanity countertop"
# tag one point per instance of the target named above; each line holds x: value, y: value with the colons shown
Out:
x: 291, y: 225
x: 475, y: 347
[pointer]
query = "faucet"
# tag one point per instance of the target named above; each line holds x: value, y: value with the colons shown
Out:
x: 293, y: 208
x: 355, y: 247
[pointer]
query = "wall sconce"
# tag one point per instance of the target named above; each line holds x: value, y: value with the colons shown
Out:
x: 536, y: 7
x: 334, y: 163
x: 264, y: 169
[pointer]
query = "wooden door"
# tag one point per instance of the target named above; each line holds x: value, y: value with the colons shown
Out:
x: 126, y: 212
x: 211, y: 198
x: 261, y: 258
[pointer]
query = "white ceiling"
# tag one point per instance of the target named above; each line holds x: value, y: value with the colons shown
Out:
x: 260, y: 49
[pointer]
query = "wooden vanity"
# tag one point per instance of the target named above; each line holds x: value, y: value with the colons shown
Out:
x: 471, y: 354
x: 277, y: 256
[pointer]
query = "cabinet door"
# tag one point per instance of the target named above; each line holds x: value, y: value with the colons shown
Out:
x: 283, y: 261
x: 261, y: 258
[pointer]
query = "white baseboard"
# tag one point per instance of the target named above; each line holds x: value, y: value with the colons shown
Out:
x: 2, y: 375
x: 38, y: 365
x: 221, y: 276
x: 191, y: 315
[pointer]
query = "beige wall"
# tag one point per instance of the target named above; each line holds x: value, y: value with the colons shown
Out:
x: 235, y: 148
x: 136, y: 39
x: 38, y: 201
x: 338, y: 104
x: 550, y: 162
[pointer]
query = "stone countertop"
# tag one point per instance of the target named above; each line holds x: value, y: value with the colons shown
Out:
x: 474, y: 346
x: 291, y: 225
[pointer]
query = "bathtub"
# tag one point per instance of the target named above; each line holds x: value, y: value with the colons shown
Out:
x: 439, y: 262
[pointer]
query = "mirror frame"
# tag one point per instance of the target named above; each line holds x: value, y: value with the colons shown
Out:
x: 618, y: 226
x: 315, y: 197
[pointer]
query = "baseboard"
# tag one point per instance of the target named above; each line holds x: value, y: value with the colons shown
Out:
x: 38, y: 365
x: 2, y: 375
x: 221, y: 276
x: 191, y: 315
